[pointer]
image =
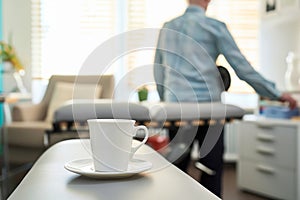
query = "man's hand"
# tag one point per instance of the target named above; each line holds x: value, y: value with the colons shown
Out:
x: 289, y: 99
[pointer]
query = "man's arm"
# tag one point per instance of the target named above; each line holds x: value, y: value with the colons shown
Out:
x: 246, y: 72
x: 159, y: 74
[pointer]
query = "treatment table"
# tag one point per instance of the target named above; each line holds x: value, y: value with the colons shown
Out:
x: 177, y: 118
x: 75, y: 113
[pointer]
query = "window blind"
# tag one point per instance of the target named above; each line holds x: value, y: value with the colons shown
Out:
x: 242, y: 19
x: 64, y: 32
x: 136, y: 10
x: 147, y: 14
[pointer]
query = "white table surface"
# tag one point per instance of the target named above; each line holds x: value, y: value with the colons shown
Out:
x: 49, y: 180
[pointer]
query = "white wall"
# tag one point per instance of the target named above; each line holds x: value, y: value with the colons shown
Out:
x: 16, y: 21
x: 279, y: 34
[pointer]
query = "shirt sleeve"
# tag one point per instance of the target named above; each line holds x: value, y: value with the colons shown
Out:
x: 242, y: 67
x: 159, y: 71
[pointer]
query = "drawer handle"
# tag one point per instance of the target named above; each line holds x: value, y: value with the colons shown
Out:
x: 265, y: 151
x: 265, y: 169
x: 265, y: 125
x: 265, y: 137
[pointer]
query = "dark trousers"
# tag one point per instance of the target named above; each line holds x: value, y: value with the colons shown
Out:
x: 213, y: 160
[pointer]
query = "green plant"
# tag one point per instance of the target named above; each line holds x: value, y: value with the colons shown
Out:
x: 143, y: 93
x: 8, y: 54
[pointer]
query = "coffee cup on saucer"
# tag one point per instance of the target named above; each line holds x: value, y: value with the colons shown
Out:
x: 112, y: 143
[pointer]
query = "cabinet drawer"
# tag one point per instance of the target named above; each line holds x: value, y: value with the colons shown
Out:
x: 272, y: 144
x: 271, y: 181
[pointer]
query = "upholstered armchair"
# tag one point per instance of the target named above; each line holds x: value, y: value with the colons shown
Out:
x: 26, y: 132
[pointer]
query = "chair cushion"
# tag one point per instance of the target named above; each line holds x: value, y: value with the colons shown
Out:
x: 27, y: 134
x: 66, y: 91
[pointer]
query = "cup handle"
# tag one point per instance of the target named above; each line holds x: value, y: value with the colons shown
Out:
x: 134, y: 149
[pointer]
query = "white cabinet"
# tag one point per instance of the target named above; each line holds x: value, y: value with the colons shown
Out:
x: 268, y: 161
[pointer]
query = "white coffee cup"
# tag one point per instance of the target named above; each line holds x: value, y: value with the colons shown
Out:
x: 111, y: 143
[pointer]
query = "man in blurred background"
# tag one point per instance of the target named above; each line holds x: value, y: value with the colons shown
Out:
x: 185, y: 71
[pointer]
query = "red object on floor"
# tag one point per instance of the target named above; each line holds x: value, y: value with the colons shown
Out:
x: 158, y: 142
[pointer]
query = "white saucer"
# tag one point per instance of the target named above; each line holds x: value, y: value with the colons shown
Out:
x: 85, y: 167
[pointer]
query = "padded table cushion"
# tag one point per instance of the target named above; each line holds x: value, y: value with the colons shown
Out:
x: 193, y: 111
x: 81, y: 110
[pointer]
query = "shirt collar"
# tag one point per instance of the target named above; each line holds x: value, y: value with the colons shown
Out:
x: 195, y: 9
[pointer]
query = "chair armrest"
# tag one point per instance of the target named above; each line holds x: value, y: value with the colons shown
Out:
x: 29, y: 112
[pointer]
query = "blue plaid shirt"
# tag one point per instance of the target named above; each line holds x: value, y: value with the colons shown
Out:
x: 187, y: 49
